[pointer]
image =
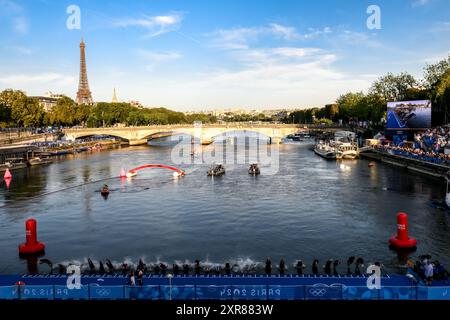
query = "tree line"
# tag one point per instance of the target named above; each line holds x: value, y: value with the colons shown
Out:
x: 18, y: 110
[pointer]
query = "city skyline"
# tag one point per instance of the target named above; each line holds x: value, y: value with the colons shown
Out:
x: 197, y: 56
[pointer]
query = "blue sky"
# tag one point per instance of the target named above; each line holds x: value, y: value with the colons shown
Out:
x: 200, y: 55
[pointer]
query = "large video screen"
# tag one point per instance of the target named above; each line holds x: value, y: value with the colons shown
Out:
x: 409, y: 115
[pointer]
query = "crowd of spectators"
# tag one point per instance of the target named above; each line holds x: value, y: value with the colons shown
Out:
x: 432, y: 145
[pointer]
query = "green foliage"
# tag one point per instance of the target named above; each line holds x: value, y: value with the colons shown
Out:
x: 323, y: 121
x: 434, y: 72
x: 17, y: 109
x: 394, y: 87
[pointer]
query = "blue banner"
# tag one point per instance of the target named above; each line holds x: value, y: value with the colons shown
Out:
x: 178, y: 292
x: 439, y: 293
x: 323, y: 292
x: 360, y: 293
x: 143, y: 293
x: 398, y: 293
x: 107, y: 292
x: 8, y: 293
x: 286, y: 292
x: 36, y: 292
x: 62, y: 292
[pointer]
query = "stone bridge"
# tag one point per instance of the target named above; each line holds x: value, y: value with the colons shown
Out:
x: 205, y: 133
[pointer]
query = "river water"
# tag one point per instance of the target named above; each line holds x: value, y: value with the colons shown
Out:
x: 311, y: 208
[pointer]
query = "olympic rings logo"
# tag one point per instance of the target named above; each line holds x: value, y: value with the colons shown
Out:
x: 316, y: 292
x: 103, y: 292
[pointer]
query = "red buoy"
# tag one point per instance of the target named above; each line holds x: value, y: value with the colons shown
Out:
x: 32, y: 245
x: 402, y: 240
x: 7, y: 175
x: 371, y: 164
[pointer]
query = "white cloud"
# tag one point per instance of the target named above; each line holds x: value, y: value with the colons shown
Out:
x: 159, y: 56
x: 441, y: 27
x: 14, y: 13
x: 419, y: 3
x: 20, y: 25
x: 20, y: 50
x: 359, y: 39
x: 155, y: 25
x: 241, y: 38
x: 288, y: 33
x: 18, y: 80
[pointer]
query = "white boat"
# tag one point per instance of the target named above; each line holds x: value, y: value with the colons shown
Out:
x: 346, y: 150
x: 325, y: 150
x: 38, y: 161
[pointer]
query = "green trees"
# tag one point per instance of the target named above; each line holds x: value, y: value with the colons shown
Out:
x: 16, y: 109
x: 437, y: 83
x: 394, y: 87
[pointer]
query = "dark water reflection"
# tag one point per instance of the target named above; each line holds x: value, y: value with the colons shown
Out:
x: 310, y: 209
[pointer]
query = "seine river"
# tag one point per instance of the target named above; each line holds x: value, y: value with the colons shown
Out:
x: 311, y: 208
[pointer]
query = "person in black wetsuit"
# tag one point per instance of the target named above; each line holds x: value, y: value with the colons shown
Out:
x: 327, y: 267
x: 140, y: 279
x: 299, y: 267
x: 197, y: 267
x: 156, y: 269
x: 359, y: 263
x: 335, y: 265
x: 228, y: 269
x: 315, y: 267
x: 282, y: 267
x: 268, y: 268
x: 349, y: 263
x: 163, y: 268
x: 185, y: 269
x: 176, y: 269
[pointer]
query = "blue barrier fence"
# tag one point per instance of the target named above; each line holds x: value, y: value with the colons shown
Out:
x: 231, y: 292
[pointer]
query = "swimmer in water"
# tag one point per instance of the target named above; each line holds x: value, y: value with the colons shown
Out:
x: 299, y: 267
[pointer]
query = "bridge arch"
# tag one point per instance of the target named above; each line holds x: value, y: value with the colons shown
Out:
x: 169, y: 134
x: 81, y: 136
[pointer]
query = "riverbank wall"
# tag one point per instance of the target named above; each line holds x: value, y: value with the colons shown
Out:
x: 413, y: 165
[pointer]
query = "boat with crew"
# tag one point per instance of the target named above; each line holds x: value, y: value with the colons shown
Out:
x: 254, y: 169
x: 216, y: 170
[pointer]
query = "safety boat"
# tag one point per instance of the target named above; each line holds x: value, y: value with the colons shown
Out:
x: 105, y: 190
x: 346, y: 151
x: 254, y: 169
x: 217, y: 170
x: 39, y: 161
x: 325, y: 150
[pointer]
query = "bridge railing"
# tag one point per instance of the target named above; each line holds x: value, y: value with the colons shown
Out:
x: 222, y: 292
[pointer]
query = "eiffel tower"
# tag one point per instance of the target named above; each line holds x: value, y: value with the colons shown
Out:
x: 84, y: 94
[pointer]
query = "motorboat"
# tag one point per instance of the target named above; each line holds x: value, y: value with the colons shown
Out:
x: 217, y: 170
x: 301, y: 136
x: 346, y: 151
x: 325, y: 150
x: 39, y: 161
x: 13, y: 164
x: 254, y: 169
x: 105, y: 190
